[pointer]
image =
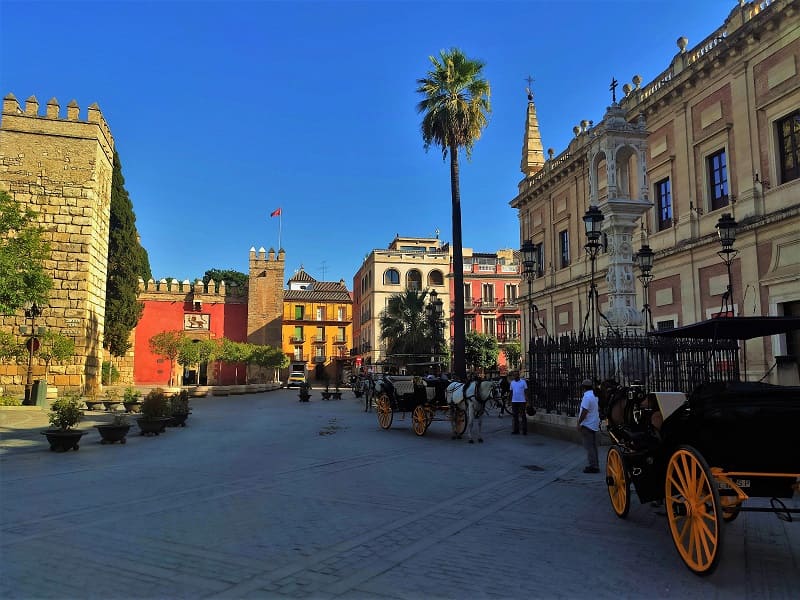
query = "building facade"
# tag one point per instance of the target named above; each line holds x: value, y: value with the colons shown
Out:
x: 317, y: 326
x: 61, y: 166
x: 717, y: 133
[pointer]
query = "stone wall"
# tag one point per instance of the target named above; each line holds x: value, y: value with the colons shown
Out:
x: 62, y: 168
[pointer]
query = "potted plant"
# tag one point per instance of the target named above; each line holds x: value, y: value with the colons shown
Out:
x: 114, y: 431
x: 179, y: 407
x: 155, y: 412
x: 130, y: 400
x: 65, y: 413
x: 93, y: 402
x: 112, y: 399
x: 326, y: 395
x: 337, y: 394
x: 305, y: 394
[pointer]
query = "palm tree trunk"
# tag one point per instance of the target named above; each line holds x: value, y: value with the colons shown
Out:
x: 459, y: 365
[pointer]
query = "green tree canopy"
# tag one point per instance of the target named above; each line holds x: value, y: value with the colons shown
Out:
x: 23, y: 251
x: 513, y: 352
x: 481, y: 351
x: 55, y: 347
x: 127, y: 262
x: 167, y: 344
x: 229, y: 276
x: 407, y: 327
x: 455, y: 109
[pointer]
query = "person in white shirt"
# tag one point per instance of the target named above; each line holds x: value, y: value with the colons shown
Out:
x: 589, y: 425
x: 518, y: 396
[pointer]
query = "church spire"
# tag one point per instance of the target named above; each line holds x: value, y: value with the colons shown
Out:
x: 532, y: 152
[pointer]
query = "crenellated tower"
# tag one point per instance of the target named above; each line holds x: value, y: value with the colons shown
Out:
x: 265, y: 297
x: 61, y: 168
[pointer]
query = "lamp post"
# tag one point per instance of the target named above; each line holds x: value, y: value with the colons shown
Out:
x: 592, y: 220
x: 435, y: 310
x: 726, y: 227
x: 644, y: 258
x: 530, y: 268
x: 32, y: 311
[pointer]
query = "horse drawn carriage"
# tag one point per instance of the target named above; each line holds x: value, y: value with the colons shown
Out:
x: 707, y: 454
x: 423, y: 397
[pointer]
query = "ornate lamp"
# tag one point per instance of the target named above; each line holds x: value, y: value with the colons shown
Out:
x: 726, y: 228
x: 644, y: 259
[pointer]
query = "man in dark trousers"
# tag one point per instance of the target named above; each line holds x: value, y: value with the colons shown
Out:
x: 589, y: 425
x: 519, y: 390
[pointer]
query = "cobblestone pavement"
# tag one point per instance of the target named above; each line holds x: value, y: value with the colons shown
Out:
x: 261, y: 496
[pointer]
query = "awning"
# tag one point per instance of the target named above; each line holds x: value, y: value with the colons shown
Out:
x: 733, y: 328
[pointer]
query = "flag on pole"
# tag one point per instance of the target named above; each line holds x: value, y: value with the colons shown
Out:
x: 275, y: 213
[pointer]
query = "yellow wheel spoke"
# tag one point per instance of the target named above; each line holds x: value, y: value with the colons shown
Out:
x: 678, y: 487
x: 684, y: 529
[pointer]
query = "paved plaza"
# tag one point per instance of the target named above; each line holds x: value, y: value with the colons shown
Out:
x: 262, y: 496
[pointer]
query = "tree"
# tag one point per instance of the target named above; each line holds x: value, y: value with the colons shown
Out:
x: 235, y: 353
x: 10, y: 349
x: 192, y: 353
x: 269, y: 358
x: 513, y: 352
x: 167, y: 344
x: 229, y: 276
x: 406, y: 326
x: 55, y: 348
x: 455, y: 108
x: 23, y: 251
x: 127, y: 262
x: 480, y: 350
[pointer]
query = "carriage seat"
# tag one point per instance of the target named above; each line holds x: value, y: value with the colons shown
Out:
x: 402, y: 384
x: 660, y: 405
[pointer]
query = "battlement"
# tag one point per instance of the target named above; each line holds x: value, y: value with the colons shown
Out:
x: 260, y: 259
x: 51, y: 122
x: 210, y: 292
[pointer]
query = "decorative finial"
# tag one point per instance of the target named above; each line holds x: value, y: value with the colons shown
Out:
x: 529, y: 79
x: 613, y: 88
x: 436, y: 231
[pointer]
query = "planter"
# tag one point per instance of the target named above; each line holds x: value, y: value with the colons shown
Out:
x: 222, y: 390
x: 336, y: 395
x: 111, y: 404
x: 62, y: 440
x: 178, y: 420
x: 171, y: 391
x: 154, y: 426
x: 251, y: 388
x: 200, y: 391
x: 238, y: 389
x: 113, y: 433
x: 132, y: 407
x: 93, y: 404
x: 304, y: 396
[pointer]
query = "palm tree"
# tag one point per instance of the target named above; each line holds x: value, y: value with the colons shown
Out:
x: 406, y: 325
x: 455, y: 108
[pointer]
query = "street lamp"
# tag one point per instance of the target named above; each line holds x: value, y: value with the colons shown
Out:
x: 592, y: 220
x: 726, y: 228
x: 435, y: 310
x: 32, y: 311
x: 644, y: 258
x: 530, y: 269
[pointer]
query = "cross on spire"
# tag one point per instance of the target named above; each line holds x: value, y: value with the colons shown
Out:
x: 613, y: 88
x: 529, y: 79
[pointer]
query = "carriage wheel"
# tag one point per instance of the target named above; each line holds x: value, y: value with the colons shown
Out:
x: 619, y: 485
x: 430, y: 413
x: 419, y: 420
x: 384, y: 410
x: 730, y: 507
x: 693, y: 510
x: 459, y: 417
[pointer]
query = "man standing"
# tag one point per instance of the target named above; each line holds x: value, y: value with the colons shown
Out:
x: 589, y: 425
x: 518, y: 392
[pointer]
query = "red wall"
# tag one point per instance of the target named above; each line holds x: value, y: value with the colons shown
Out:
x: 225, y: 320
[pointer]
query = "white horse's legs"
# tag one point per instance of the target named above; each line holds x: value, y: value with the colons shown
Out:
x: 475, y: 421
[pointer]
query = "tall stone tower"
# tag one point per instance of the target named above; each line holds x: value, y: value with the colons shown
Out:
x: 265, y: 297
x: 532, y: 154
x: 61, y: 168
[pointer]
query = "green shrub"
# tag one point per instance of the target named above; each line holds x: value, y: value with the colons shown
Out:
x: 156, y: 404
x: 130, y: 395
x: 110, y: 375
x: 10, y: 401
x: 66, y: 412
x: 179, y: 403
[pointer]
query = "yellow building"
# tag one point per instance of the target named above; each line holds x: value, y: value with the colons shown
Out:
x: 317, y: 330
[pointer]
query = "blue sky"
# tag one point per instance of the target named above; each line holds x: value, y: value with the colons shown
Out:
x: 224, y: 111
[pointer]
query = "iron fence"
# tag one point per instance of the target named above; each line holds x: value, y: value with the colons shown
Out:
x: 558, y: 365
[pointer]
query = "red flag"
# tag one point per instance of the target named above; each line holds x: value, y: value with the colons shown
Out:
x: 275, y: 213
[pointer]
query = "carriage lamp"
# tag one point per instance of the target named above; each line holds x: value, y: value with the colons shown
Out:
x: 531, y: 266
x: 726, y: 228
x: 32, y: 311
x: 593, y: 221
x: 644, y: 260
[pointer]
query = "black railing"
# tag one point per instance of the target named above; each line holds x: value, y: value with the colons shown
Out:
x: 558, y: 365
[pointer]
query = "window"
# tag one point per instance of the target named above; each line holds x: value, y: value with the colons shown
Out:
x: 563, y: 238
x: 490, y: 326
x: 298, y: 312
x: 414, y: 280
x: 341, y: 335
x: 340, y: 314
x: 320, y: 336
x: 298, y: 333
x: 664, y: 204
x: 319, y: 353
x: 488, y: 293
x: 511, y: 293
x: 469, y: 324
x: 789, y: 146
x: 669, y: 324
x: 320, y: 313
x: 298, y: 354
x: 467, y: 294
x: 540, y: 266
x: 435, y: 278
x: 717, y: 180
x: 391, y: 277
x: 512, y: 329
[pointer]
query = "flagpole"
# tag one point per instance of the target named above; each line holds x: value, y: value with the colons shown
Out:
x: 280, y: 225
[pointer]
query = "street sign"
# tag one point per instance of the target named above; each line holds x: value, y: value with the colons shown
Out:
x: 32, y: 344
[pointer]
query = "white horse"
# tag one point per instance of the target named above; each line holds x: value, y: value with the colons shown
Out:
x: 472, y: 399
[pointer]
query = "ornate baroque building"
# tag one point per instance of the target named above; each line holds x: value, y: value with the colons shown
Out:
x: 716, y: 133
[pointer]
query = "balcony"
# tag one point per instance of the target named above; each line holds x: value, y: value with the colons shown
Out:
x: 319, y: 339
x: 319, y: 359
x: 487, y: 304
x: 508, y: 337
x: 296, y: 340
x: 339, y: 340
x: 507, y: 305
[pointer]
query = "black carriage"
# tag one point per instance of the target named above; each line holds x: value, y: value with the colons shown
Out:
x: 705, y: 455
x: 423, y: 396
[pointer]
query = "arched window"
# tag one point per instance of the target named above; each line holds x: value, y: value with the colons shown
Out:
x: 414, y: 280
x: 435, y: 279
x: 391, y: 277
